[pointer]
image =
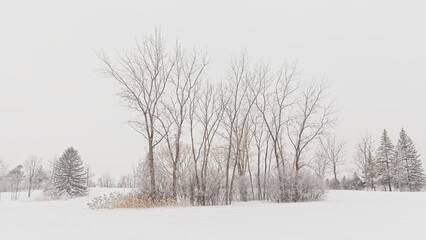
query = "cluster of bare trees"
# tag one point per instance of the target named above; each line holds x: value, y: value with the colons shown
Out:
x: 329, y: 158
x: 30, y: 175
x: 248, y: 136
x: 106, y: 180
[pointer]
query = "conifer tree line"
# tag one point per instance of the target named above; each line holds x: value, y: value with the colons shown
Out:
x: 389, y: 167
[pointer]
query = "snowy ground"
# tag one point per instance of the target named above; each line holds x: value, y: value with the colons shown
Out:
x: 344, y: 215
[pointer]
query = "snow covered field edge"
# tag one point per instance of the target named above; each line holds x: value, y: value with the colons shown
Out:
x: 342, y: 215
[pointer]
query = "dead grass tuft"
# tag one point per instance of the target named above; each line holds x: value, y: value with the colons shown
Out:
x: 129, y: 200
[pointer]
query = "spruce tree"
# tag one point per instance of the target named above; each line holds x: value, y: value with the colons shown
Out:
x: 15, y: 178
x: 385, y: 161
x: 70, y: 174
x: 409, y: 166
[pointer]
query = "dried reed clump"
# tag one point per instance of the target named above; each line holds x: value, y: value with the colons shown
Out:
x: 129, y: 200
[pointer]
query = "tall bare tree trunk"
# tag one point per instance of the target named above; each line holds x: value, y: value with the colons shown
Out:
x: 151, y: 168
x: 29, y: 188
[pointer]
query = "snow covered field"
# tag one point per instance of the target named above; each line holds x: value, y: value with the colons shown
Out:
x: 343, y: 215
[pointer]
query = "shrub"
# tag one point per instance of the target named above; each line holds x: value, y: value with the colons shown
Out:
x: 334, y: 184
x: 298, y: 188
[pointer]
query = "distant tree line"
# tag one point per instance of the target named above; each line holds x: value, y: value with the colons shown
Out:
x: 386, y: 168
x: 30, y: 175
x: 65, y: 176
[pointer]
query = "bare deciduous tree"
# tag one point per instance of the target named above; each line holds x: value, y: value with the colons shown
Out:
x: 334, y: 151
x: 251, y: 107
x: 236, y: 117
x: 32, y: 169
x: 208, y: 113
x: 274, y: 92
x: 320, y: 163
x: 314, y: 116
x: 3, y: 168
x: 142, y: 74
x: 106, y: 180
x: 261, y: 141
x: 186, y: 79
x: 50, y: 174
x: 89, y: 176
x: 364, y: 160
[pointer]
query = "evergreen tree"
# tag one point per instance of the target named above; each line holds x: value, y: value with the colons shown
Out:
x: 344, y: 183
x: 409, y: 170
x: 15, y: 178
x: 70, y: 176
x: 356, y: 182
x: 385, y: 161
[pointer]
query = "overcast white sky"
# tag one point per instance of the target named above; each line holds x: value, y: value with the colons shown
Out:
x: 52, y: 95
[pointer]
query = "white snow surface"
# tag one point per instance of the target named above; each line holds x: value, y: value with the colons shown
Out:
x: 343, y: 215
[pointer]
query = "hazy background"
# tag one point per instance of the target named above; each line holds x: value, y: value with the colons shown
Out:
x: 52, y: 94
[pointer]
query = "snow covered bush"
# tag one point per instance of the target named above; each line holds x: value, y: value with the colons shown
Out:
x: 297, y: 188
x: 334, y: 184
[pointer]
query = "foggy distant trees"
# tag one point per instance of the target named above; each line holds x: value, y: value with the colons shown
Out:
x: 70, y: 176
x: 246, y: 137
x: 106, y: 180
x: 127, y: 181
x: 59, y: 176
x: 30, y: 175
x: 89, y: 176
x: 315, y: 115
x: 353, y: 182
x: 329, y: 158
x: 391, y: 167
x: 320, y: 164
x: 3, y: 176
x: 33, y: 170
x: 366, y: 162
x: 15, y: 178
